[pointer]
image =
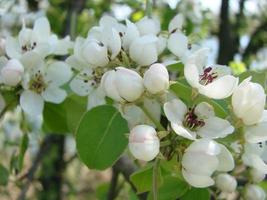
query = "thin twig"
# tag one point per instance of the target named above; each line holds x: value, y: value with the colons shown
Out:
x: 112, y: 192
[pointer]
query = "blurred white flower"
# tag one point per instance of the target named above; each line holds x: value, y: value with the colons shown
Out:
x: 144, y: 143
x: 122, y: 84
x: 215, y: 81
x: 11, y: 71
x: 199, y: 120
x: 254, y: 192
x: 248, y: 102
x: 226, y: 183
x: 256, y: 175
x: 39, y: 39
x: 156, y: 78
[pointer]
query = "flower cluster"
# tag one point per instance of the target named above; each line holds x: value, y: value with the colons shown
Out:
x: 122, y: 62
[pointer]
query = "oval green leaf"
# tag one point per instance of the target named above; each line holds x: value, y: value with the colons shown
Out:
x: 101, y: 137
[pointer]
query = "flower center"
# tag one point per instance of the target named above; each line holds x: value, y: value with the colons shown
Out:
x: 208, y: 76
x: 28, y: 47
x: 192, y: 121
x: 38, y: 84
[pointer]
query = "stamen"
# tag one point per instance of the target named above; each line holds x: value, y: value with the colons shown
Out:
x: 208, y: 76
x: 192, y: 121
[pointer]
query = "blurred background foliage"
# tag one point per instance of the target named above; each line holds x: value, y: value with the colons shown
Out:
x: 235, y: 30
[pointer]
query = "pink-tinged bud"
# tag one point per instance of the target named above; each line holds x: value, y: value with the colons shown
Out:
x: 144, y: 143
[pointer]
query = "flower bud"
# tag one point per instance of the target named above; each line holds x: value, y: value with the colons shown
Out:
x: 248, y: 102
x: 143, y: 50
x: 156, y: 78
x: 148, y: 26
x: 95, y: 53
x: 256, y: 175
x: 122, y: 84
x: 254, y: 192
x: 144, y: 143
x: 12, y: 72
x: 226, y: 183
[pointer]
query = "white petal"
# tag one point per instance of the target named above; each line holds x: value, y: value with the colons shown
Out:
x: 109, y: 86
x: 130, y: 35
x: 176, y: 23
x: 257, y: 163
x: 112, y: 40
x: 177, y: 44
x: 182, y: 131
x: 54, y: 94
x: 63, y: 46
x: 43, y: 49
x: 191, y: 74
x: 32, y: 61
x: 161, y: 44
x: 207, y: 146
x: 220, y: 88
x: 31, y: 103
x: 75, y: 63
x: 148, y: 26
x: 81, y: 86
x: 175, y: 110
x: 42, y: 28
x: 197, y: 181
x: 204, y: 110
x: 58, y: 73
x: 256, y: 133
x: 13, y: 48
x: 96, y: 98
x: 206, y: 164
x: 226, y: 161
x: 215, y: 127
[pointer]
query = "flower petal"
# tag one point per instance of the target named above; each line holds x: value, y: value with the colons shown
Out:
x: 54, y: 94
x: 42, y: 28
x: 206, y: 164
x: 256, y: 133
x: 177, y: 44
x: 58, y: 73
x: 96, y: 98
x: 13, y: 48
x: 220, y: 88
x: 175, y: 110
x: 207, y: 146
x: 226, y: 161
x: 215, y: 127
x: 176, y: 23
x: 191, y: 74
x: 198, y: 181
x: 31, y: 103
x: 180, y: 130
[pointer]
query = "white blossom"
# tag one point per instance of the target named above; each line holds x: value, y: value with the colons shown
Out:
x: 214, y: 81
x: 38, y: 39
x: 248, y: 102
x: 199, y: 120
x: 148, y: 26
x: 208, y: 155
x: 256, y: 175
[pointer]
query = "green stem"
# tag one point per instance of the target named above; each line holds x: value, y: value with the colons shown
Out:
x: 148, y: 8
x: 155, y: 179
x: 156, y: 122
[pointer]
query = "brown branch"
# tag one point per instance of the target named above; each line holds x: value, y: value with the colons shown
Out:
x: 112, y: 192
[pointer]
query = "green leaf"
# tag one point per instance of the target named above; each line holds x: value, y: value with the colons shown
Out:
x: 64, y: 118
x: 196, y: 193
x: 75, y: 107
x: 143, y: 179
x: 171, y: 189
x: 101, y: 137
x: 176, y: 67
x: 182, y: 91
x: 4, y: 174
x: 55, y: 119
